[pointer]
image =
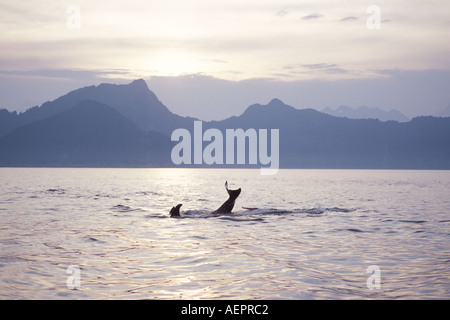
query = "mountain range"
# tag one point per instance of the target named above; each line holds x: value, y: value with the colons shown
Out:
x: 445, y: 112
x: 127, y: 126
x: 365, y: 112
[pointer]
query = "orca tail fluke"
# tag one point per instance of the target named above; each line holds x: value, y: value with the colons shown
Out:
x: 229, y: 204
x: 226, y: 207
x: 232, y: 193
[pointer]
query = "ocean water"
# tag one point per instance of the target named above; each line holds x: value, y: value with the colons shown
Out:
x: 317, y: 234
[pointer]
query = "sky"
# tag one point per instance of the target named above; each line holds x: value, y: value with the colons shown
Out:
x: 212, y: 58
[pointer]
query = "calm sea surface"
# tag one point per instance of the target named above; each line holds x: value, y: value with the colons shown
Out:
x: 317, y: 234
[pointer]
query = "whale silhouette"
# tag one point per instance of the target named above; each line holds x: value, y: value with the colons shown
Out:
x: 175, y: 211
x: 226, y: 207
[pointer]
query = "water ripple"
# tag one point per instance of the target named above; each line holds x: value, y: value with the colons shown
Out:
x: 309, y: 240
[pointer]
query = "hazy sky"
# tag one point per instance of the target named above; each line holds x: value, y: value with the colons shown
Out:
x: 307, y: 53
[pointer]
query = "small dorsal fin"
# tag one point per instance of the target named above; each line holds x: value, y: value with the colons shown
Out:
x: 175, y: 211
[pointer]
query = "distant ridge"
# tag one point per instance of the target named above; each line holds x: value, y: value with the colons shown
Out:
x: 311, y: 139
x: 127, y: 126
x: 364, y: 112
x: 445, y: 112
x: 134, y: 101
x: 88, y: 134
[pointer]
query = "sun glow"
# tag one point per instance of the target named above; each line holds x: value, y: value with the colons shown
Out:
x: 173, y: 63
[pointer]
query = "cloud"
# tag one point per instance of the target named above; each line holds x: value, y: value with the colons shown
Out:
x: 71, y: 74
x: 312, y: 16
x: 327, y: 68
x: 282, y: 13
x: 319, y: 66
x: 255, y: 38
x: 350, y: 18
x: 214, y: 61
x: 317, y: 70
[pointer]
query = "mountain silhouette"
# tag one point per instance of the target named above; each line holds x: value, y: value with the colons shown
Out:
x: 311, y: 139
x: 364, y: 112
x: 445, y: 112
x: 8, y: 121
x: 134, y: 101
x: 126, y: 125
x: 88, y: 134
